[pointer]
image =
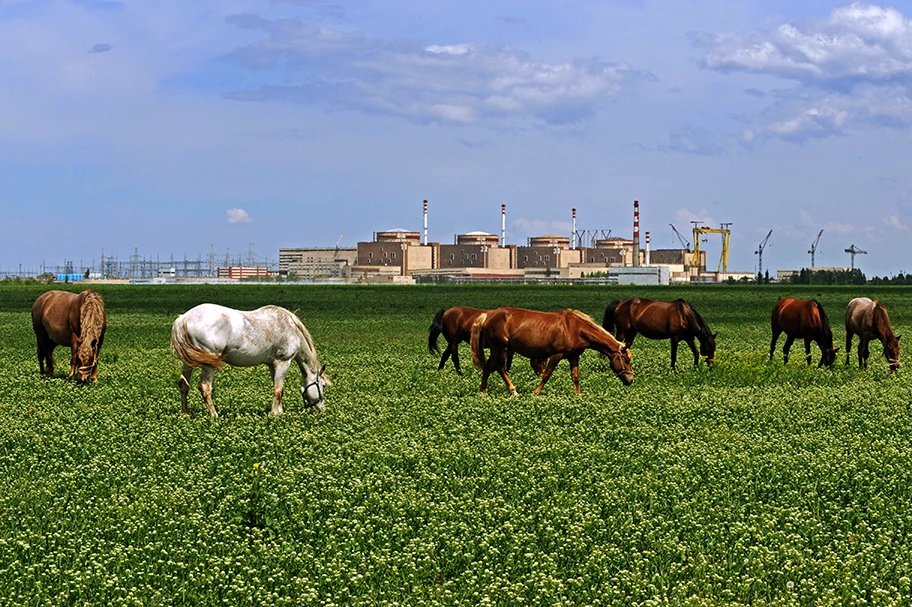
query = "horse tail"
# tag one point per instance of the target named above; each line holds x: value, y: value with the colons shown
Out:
x: 477, y: 341
x: 608, y: 319
x: 188, y: 352
x: 824, y: 322
x: 434, y: 332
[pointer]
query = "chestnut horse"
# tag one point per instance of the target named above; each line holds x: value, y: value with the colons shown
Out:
x: 675, y: 320
x: 869, y: 320
x: 456, y: 326
x: 75, y: 320
x: 543, y: 335
x: 805, y: 319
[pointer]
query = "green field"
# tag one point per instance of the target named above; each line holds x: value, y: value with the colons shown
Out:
x: 752, y: 483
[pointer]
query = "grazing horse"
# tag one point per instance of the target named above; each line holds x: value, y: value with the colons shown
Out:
x: 805, y: 319
x: 210, y: 335
x: 675, y: 320
x: 869, y: 320
x: 456, y: 326
x: 75, y: 320
x: 543, y: 335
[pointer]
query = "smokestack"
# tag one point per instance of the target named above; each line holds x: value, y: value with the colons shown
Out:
x: 647, y: 248
x: 636, y: 233
x: 573, y: 231
x: 503, y: 225
x: 425, y: 222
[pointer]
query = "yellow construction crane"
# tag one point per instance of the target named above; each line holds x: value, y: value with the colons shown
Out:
x: 699, y: 230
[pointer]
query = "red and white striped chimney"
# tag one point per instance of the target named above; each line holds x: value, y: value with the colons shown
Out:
x: 425, y: 222
x: 503, y: 225
x: 636, y: 233
x: 573, y: 231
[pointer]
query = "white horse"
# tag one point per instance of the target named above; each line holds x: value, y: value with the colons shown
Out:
x: 210, y: 335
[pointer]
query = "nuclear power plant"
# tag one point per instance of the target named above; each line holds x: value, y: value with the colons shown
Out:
x: 407, y: 256
x: 402, y: 255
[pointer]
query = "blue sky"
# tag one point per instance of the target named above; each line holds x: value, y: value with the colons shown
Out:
x: 176, y: 126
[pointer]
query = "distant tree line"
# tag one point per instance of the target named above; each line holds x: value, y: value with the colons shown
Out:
x: 828, y: 277
x: 899, y: 279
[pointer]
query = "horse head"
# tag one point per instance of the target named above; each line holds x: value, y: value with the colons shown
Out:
x: 312, y: 392
x: 891, y: 353
x: 828, y: 356
x: 86, y: 358
x: 708, y: 347
x: 620, y: 364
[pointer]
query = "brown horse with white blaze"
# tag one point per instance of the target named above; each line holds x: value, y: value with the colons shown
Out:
x: 75, y: 320
x: 868, y: 319
x: 543, y: 335
x: 455, y: 324
x: 675, y: 320
x: 804, y: 319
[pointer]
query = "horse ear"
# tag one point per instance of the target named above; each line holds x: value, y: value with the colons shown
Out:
x: 897, y: 337
x: 323, y: 369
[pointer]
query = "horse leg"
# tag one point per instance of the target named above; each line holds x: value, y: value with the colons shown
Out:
x: 789, y: 340
x: 455, y: 356
x: 776, y: 333
x: 278, y: 369
x: 574, y: 372
x: 849, y: 336
x: 863, y: 353
x: 807, y: 351
x: 485, y: 372
x: 674, y: 351
x: 693, y: 348
x: 546, y: 373
x: 205, y: 388
x: 46, y: 355
x: 446, y: 354
x: 183, y: 384
x: 501, y: 359
x: 73, y: 358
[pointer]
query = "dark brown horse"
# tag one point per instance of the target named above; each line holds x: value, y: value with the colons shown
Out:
x: 868, y: 319
x: 543, y: 335
x: 455, y: 324
x: 675, y: 320
x: 804, y: 319
x: 75, y: 320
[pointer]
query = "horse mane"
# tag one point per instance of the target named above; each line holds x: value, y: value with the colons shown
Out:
x: 304, y: 332
x: 585, y: 317
x: 882, y: 320
x: 702, y: 326
x: 824, y: 322
x: 91, y: 320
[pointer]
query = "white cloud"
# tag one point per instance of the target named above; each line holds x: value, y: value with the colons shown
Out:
x: 525, y: 228
x: 852, y: 67
x: 238, y: 216
x: 463, y: 83
x: 683, y: 217
x: 895, y: 222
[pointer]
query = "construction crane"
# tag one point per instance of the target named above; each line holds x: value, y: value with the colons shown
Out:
x: 338, y: 242
x: 759, y: 254
x: 684, y: 242
x: 814, y: 247
x: 724, y: 230
x: 853, y: 251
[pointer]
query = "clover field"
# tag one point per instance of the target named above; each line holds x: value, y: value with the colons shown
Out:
x: 751, y: 483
